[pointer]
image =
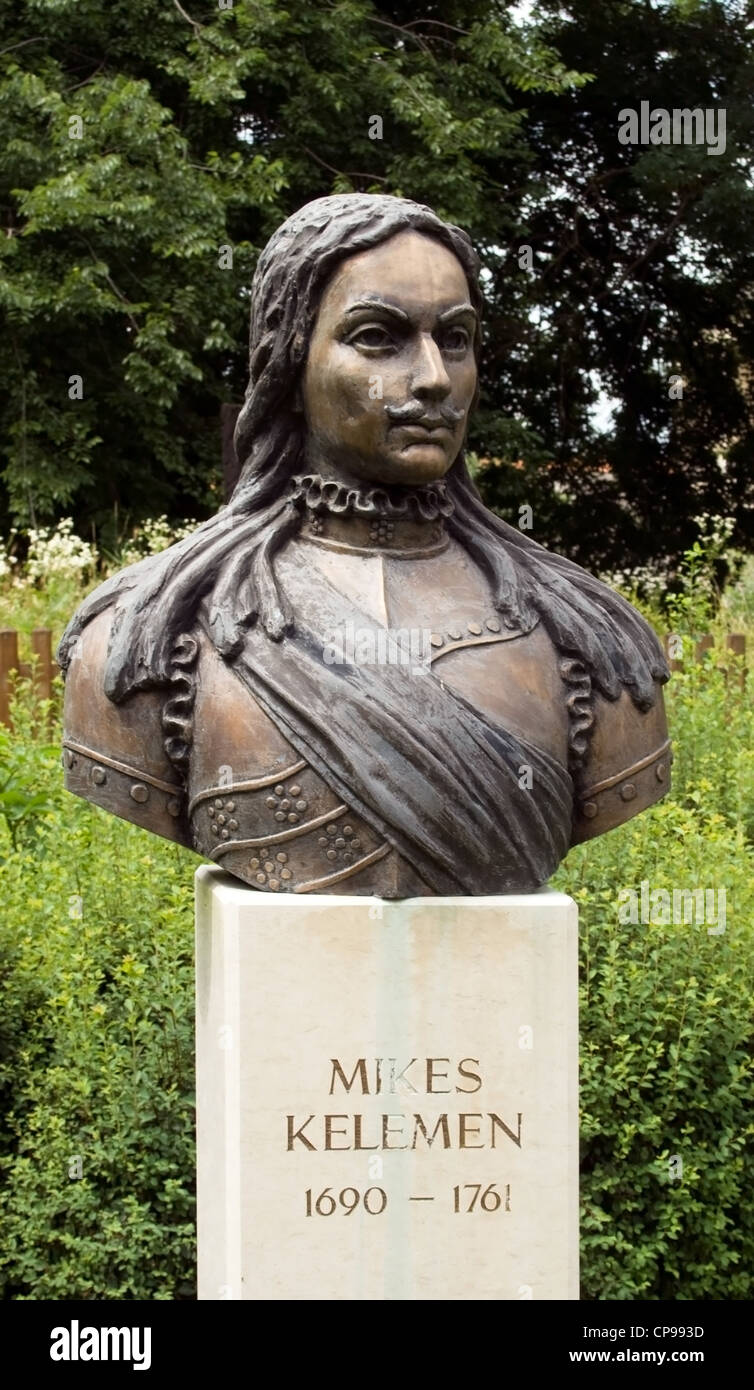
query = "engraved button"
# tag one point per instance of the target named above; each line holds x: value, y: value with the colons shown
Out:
x: 340, y: 843
x: 332, y: 854
x: 99, y: 776
x: 628, y: 792
x: 285, y: 804
x: 293, y: 818
x: 282, y: 857
x: 139, y: 792
x: 302, y: 805
x: 356, y: 844
x: 221, y: 819
x: 493, y: 625
x: 348, y: 830
x: 274, y: 885
x: 230, y: 806
x: 271, y: 802
x: 253, y: 863
x: 475, y: 629
x: 436, y: 639
x: 212, y: 812
x: 233, y: 824
x: 589, y: 809
x: 219, y: 803
x: 269, y: 867
x: 280, y: 815
x: 295, y: 790
x: 261, y: 878
x: 285, y: 873
x: 224, y: 834
x: 279, y: 790
x: 332, y: 830
x: 660, y: 772
x: 454, y: 633
x: 174, y: 806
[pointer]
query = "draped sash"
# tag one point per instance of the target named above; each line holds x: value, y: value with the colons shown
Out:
x: 437, y: 779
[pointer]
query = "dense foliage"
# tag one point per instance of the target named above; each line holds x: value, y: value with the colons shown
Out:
x: 145, y: 140
x: 96, y: 1007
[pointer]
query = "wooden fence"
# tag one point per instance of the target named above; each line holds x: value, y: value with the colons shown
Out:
x: 45, y: 669
x: 735, y: 643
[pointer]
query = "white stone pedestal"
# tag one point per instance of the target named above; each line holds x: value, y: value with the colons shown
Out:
x: 387, y: 1096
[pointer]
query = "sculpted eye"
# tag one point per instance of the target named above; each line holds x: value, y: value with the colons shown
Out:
x: 372, y: 337
x: 455, y: 339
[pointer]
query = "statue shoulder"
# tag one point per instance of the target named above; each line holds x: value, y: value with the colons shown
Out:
x: 627, y: 767
x: 114, y: 754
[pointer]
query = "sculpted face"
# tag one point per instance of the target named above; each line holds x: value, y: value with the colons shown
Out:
x: 391, y: 374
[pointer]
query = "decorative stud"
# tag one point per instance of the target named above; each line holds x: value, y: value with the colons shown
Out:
x: 628, y: 792
x: 280, y: 789
x: 233, y: 824
x: 99, y: 776
x: 212, y: 812
x: 589, y: 809
x: 70, y: 757
x: 454, y: 633
x: 271, y: 802
x: 139, y: 792
x: 493, y: 625
x: 436, y: 640
x: 660, y: 772
x: 280, y: 815
x: 293, y: 818
x: 282, y: 857
x: 174, y: 806
x: 269, y: 867
x: 475, y: 629
x: 294, y: 791
x: 302, y: 805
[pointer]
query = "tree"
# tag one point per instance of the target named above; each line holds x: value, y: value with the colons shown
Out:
x: 149, y: 153
x: 151, y: 148
x: 641, y: 286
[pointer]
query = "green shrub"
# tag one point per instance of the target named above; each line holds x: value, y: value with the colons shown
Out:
x: 96, y: 1073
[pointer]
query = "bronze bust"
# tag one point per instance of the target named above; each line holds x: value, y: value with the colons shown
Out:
x: 355, y: 678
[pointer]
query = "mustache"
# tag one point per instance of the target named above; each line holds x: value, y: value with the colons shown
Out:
x: 415, y: 413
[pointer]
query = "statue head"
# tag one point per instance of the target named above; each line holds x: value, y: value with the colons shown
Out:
x: 336, y: 387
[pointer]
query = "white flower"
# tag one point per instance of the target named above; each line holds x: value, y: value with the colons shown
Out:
x: 57, y: 552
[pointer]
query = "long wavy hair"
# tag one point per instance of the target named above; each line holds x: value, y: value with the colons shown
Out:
x: 229, y: 560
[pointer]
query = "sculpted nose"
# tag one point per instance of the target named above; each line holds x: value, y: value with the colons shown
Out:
x: 431, y: 380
